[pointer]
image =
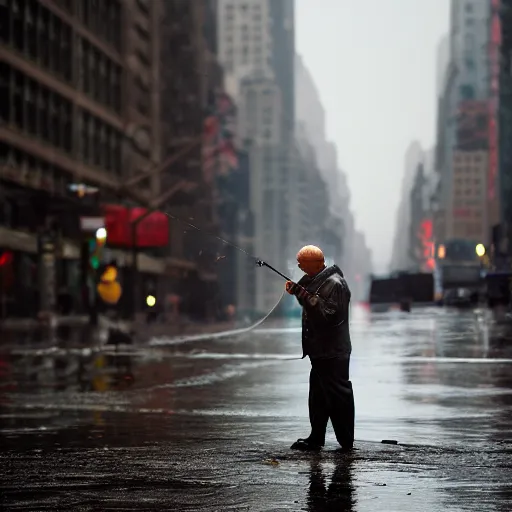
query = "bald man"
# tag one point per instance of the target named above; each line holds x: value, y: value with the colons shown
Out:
x: 324, y: 296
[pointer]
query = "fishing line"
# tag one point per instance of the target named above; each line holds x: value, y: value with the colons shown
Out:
x: 227, y: 242
x: 257, y: 261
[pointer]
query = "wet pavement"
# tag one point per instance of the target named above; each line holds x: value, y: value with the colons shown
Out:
x: 207, y: 424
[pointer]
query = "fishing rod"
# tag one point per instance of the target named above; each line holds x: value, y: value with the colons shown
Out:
x: 259, y: 262
x: 262, y: 263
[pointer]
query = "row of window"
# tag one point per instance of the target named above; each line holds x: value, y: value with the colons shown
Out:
x: 477, y: 214
x: 37, y: 111
x: 44, y: 38
x: 32, y: 29
x: 103, y: 18
x: 468, y: 229
x: 100, y: 145
x: 467, y: 159
x: 99, y: 77
x: 468, y: 192
x: 22, y: 21
x: 467, y: 181
x: 35, y: 171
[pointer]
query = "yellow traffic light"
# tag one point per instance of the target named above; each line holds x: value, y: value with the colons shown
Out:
x: 480, y: 250
x: 150, y: 301
x: 110, y: 292
x: 108, y: 288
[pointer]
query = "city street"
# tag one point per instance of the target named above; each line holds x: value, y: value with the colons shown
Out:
x: 207, y: 425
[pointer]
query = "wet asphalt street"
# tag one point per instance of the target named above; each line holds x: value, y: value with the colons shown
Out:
x: 207, y: 425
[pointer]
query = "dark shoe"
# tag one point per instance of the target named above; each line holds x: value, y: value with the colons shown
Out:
x: 305, y: 445
x: 345, y: 449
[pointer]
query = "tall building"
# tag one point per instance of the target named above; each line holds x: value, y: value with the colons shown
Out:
x: 256, y: 47
x: 84, y: 83
x: 469, y: 35
x: 442, y: 61
x: 400, y: 257
x: 71, y: 74
x: 464, y: 124
x: 505, y: 121
x: 420, y: 234
x: 310, y: 115
x: 282, y: 14
x: 469, y: 169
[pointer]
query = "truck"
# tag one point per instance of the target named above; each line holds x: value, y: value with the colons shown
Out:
x: 458, y: 272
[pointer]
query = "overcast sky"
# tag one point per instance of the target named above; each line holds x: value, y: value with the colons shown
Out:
x: 374, y: 62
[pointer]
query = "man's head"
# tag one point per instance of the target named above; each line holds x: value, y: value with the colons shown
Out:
x: 311, y: 260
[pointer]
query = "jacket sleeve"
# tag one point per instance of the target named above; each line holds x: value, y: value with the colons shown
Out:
x: 327, y: 306
x: 301, y: 282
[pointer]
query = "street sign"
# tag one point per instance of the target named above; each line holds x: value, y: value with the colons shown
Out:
x: 91, y: 224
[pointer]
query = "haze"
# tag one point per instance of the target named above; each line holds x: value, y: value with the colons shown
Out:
x: 374, y: 63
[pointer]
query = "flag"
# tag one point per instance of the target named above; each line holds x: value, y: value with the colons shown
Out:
x: 219, y: 156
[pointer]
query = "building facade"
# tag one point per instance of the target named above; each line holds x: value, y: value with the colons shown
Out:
x: 505, y: 124
x: 464, y: 126
x: 338, y: 222
x: 469, y: 198
x: 256, y: 48
x: 84, y: 82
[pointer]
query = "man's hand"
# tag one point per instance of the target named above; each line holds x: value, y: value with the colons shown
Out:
x: 290, y: 287
x: 295, y: 289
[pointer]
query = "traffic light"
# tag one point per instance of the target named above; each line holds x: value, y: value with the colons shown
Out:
x: 108, y: 288
x: 96, y: 246
x: 5, y: 258
x: 94, y: 256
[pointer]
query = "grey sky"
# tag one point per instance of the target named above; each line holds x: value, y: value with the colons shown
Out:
x: 374, y: 62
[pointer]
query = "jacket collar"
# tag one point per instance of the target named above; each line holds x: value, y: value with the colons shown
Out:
x: 321, y: 277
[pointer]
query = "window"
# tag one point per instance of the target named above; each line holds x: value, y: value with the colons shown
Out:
x: 103, y: 17
x: 5, y: 22
x: 99, y: 76
x: 38, y: 112
x: 469, y: 43
x: 100, y: 144
x: 17, y: 26
x: 5, y: 86
x: 466, y: 92
x: 470, y: 64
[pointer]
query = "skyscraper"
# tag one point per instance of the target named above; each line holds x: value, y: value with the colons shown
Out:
x: 256, y: 49
x: 505, y: 121
x: 463, y: 117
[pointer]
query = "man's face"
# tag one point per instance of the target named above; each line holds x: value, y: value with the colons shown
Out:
x: 311, y: 267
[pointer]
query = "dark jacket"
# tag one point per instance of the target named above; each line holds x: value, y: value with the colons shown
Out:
x: 325, y: 319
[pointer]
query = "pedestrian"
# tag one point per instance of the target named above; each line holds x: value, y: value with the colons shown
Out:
x: 324, y: 296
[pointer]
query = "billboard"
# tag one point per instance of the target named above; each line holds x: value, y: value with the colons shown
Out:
x: 152, y: 231
x: 472, y: 125
x: 425, y: 235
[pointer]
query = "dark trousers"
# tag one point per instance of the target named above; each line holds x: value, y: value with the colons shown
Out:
x: 331, y: 396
